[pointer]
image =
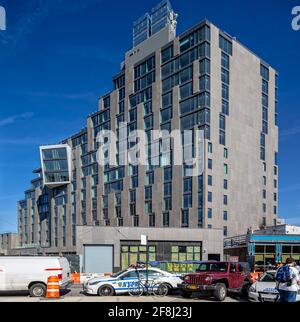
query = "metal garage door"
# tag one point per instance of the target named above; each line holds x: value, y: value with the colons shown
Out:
x: 98, y: 259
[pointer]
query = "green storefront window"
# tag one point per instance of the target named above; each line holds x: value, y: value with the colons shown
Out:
x: 175, y: 249
x: 125, y: 249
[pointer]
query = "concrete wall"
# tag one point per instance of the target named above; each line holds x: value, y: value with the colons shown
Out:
x: 212, y: 240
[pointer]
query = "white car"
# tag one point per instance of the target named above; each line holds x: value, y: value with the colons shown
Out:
x: 120, y: 283
x: 264, y: 290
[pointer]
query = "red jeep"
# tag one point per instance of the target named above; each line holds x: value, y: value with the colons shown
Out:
x: 217, y: 279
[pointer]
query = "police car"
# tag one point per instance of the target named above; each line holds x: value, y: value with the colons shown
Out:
x: 264, y: 290
x: 120, y: 283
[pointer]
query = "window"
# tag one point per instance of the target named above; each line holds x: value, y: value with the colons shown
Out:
x: 187, y: 201
x: 276, y: 159
x: 186, y: 90
x: 222, y: 137
x: 225, y: 200
x: 209, y: 180
x: 264, y: 194
x: 264, y: 181
x: 168, y: 204
x: 166, y: 115
x: 148, y: 122
x: 264, y: 72
x: 265, y: 100
x: 225, y: 153
x: 225, y: 61
x: 210, y: 147
x: 148, y: 193
x: 264, y: 208
x: 225, y: 76
x: 210, y: 164
x: 225, y: 107
x: 167, y: 100
x: 148, y: 207
x: 168, y: 189
x: 152, y: 220
x: 225, y: 169
x: 167, y: 54
x: 225, y: 45
x: 225, y: 184
x: 275, y: 184
x: 209, y: 197
x: 185, y: 219
x: 225, y: 215
x: 225, y: 92
x: 187, y: 185
x: 265, y: 86
x: 225, y: 231
x: 209, y: 213
x: 204, y: 66
x: 204, y: 83
x: 150, y: 178
x: 166, y: 219
x: 168, y: 174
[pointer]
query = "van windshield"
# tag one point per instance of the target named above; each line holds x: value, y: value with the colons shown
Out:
x: 213, y: 267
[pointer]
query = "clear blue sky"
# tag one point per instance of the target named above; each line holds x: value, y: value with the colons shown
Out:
x: 58, y: 56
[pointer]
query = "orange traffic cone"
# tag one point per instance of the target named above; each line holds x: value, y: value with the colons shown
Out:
x: 53, y: 288
x: 76, y: 278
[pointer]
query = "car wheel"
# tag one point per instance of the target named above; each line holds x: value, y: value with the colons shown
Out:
x: 220, y: 292
x: 37, y: 290
x: 169, y: 287
x: 106, y: 290
x: 186, y: 295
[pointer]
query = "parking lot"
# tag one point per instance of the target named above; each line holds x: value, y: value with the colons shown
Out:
x: 74, y: 294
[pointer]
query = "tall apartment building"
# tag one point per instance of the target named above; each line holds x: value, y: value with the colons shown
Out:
x: 202, y: 79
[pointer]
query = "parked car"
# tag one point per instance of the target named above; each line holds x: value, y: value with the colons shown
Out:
x: 264, y: 290
x: 120, y: 283
x: 31, y: 273
x: 217, y: 279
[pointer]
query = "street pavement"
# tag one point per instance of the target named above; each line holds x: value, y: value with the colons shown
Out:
x: 74, y: 294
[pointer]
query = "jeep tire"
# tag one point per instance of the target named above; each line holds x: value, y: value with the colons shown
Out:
x: 220, y: 293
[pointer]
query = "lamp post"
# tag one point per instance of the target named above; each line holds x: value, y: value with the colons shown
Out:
x: 144, y: 242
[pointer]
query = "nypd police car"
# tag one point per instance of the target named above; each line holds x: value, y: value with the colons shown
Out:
x: 120, y: 283
x: 264, y: 290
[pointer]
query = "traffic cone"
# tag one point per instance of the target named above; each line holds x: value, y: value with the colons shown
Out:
x: 53, y: 289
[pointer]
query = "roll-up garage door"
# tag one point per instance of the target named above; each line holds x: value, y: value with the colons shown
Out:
x: 98, y: 259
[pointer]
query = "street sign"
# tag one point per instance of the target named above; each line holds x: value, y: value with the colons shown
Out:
x: 144, y: 240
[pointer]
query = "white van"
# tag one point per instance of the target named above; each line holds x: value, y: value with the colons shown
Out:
x: 31, y: 273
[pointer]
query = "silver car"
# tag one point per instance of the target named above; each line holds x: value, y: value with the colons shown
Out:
x: 264, y: 290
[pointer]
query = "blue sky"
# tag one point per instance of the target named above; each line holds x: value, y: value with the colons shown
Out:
x: 57, y: 57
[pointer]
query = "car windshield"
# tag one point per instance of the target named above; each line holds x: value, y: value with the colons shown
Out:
x: 219, y: 267
x: 119, y: 273
x: 268, y: 277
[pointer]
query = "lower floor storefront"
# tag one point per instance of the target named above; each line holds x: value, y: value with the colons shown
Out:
x: 109, y: 249
x: 266, y: 250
